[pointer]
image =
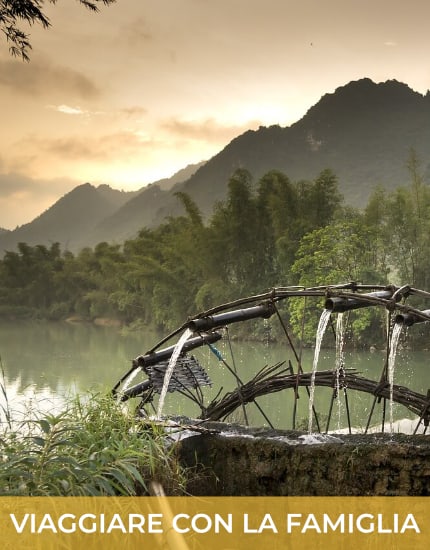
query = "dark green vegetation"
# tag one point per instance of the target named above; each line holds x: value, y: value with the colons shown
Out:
x: 273, y: 232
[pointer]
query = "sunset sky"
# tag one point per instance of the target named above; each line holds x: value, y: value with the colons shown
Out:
x: 145, y: 87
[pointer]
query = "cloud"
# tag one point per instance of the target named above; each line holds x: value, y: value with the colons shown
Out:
x: 208, y: 130
x: 23, y: 198
x: 42, y: 78
x: 98, y: 148
x: 127, y: 145
x: 14, y: 185
x: 136, y: 32
x: 67, y: 110
x: 134, y: 111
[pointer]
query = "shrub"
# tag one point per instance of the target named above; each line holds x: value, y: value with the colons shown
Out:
x: 91, y: 448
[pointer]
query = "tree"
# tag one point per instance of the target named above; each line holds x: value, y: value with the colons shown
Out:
x: 337, y: 253
x: 13, y: 12
x: 234, y: 237
x: 27, y: 277
x: 277, y: 231
x: 325, y: 199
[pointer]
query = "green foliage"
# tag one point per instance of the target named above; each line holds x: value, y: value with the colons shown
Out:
x: 91, y: 448
x: 408, y: 219
x: 341, y: 251
x: 273, y: 232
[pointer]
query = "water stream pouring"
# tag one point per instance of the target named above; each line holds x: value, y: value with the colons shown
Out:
x: 395, y: 337
x: 340, y: 360
x: 170, y: 367
x: 322, y: 325
x: 401, y: 320
x: 155, y: 364
x: 127, y: 384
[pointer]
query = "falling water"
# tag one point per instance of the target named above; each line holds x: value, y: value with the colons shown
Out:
x: 170, y: 368
x: 128, y: 382
x: 322, y: 325
x: 267, y: 332
x: 340, y: 360
x: 395, y: 336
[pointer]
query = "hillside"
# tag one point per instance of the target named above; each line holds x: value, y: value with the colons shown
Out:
x: 69, y: 220
x: 88, y: 215
x: 363, y: 131
x: 148, y: 208
x: 182, y: 175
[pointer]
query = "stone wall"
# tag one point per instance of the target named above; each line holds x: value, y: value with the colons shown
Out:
x: 256, y: 462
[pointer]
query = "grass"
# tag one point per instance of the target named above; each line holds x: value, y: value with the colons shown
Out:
x: 90, y: 448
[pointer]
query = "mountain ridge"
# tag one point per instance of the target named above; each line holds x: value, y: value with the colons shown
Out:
x: 314, y: 143
x: 68, y: 220
x: 363, y: 131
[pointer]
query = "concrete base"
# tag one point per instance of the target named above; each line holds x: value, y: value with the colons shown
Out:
x: 241, y: 462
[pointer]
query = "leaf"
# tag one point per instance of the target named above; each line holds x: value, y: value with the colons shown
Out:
x: 120, y: 476
x: 45, y: 425
x: 106, y: 485
x: 134, y: 472
x: 65, y: 485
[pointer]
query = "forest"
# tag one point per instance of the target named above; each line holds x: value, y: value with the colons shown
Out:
x: 266, y: 233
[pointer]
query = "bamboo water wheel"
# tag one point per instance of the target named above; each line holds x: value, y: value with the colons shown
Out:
x: 188, y: 376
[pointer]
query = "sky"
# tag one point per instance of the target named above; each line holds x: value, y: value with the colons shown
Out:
x: 143, y: 88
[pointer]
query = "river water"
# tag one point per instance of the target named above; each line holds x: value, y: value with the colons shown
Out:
x: 45, y: 362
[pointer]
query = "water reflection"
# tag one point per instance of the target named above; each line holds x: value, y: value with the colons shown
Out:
x: 44, y: 362
x: 49, y: 361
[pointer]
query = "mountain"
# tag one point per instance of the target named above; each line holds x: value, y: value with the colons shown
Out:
x: 148, y: 208
x: 85, y: 215
x: 69, y: 220
x: 182, y: 175
x: 363, y: 131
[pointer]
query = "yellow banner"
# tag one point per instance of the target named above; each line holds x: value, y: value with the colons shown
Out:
x: 215, y: 523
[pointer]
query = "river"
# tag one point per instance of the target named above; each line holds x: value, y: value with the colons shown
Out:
x: 43, y: 363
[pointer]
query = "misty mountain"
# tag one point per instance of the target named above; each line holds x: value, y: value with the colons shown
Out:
x: 85, y: 215
x: 69, y: 220
x: 148, y: 208
x: 363, y: 131
x: 182, y: 175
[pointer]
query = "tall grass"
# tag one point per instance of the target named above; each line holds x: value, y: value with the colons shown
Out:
x: 92, y: 447
x: 4, y: 401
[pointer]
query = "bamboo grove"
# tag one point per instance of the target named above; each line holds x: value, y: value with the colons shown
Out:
x: 266, y: 233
